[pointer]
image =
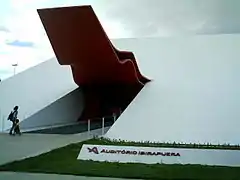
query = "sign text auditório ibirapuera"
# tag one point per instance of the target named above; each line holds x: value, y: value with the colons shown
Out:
x: 95, y: 150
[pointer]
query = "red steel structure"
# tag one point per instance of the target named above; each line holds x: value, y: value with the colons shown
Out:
x: 109, y: 78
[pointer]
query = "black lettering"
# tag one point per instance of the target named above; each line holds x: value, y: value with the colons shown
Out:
x: 118, y: 151
x: 168, y: 154
x: 128, y: 152
x: 134, y: 152
x: 161, y: 154
x: 177, y: 154
x: 103, y: 151
x: 123, y: 151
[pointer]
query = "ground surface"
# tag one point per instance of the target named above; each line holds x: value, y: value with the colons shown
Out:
x: 18, y: 147
x: 64, y: 161
x: 30, y: 176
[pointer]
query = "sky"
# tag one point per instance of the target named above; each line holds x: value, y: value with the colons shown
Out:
x: 24, y: 41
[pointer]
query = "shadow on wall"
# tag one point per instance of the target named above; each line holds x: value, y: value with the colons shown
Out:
x: 63, y: 111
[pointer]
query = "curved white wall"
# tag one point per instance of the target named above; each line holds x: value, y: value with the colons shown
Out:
x: 194, y: 95
x: 34, y: 89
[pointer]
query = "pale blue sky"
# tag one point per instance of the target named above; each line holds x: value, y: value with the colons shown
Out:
x: 23, y: 40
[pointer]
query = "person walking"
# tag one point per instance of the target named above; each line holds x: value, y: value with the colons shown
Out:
x: 12, y: 117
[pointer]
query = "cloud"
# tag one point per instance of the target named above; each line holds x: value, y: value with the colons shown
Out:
x: 20, y: 43
x: 4, y: 29
x: 171, y: 17
x: 25, y: 30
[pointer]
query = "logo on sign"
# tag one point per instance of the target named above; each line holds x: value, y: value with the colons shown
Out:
x: 93, y: 150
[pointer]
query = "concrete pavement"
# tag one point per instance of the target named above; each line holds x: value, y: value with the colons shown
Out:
x: 20, y: 147
x: 30, y: 176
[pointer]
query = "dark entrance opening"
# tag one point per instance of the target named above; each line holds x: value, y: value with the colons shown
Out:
x: 104, y: 100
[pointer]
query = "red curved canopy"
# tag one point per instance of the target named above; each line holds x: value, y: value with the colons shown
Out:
x: 79, y: 40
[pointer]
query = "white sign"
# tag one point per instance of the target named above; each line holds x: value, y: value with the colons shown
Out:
x: 150, y: 155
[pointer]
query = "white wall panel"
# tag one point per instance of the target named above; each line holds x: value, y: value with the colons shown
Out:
x: 194, y: 95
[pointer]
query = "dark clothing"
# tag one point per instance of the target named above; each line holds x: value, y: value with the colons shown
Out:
x: 15, y: 113
x: 14, y: 118
x: 17, y: 129
x: 12, y: 128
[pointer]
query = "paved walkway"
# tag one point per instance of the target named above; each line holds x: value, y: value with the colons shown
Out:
x: 26, y: 176
x: 20, y: 147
